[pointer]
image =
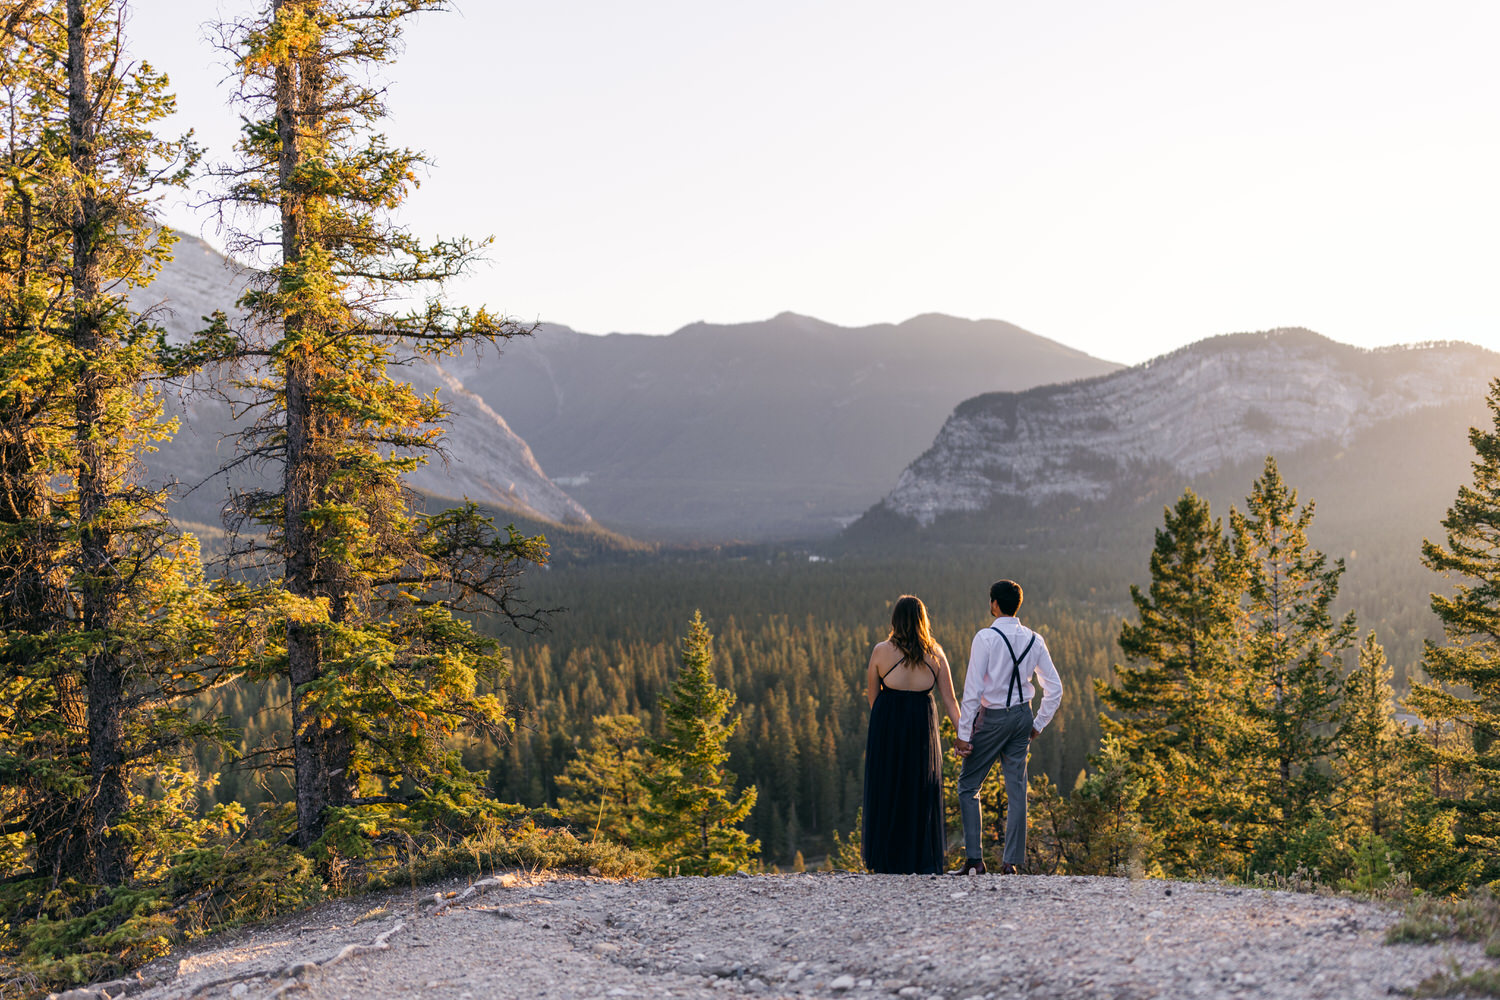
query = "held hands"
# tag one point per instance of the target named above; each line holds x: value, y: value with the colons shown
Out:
x: 963, y: 747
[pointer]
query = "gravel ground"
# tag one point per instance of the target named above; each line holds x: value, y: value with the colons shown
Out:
x: 855, y: 937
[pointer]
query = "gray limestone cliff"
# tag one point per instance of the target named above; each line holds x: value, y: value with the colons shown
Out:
x: 1218, y: 402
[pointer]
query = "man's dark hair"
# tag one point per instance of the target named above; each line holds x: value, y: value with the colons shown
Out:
x: 1007, y: 594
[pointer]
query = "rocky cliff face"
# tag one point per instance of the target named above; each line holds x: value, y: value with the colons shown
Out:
x: 1219, y: 402
x: 485, y: 460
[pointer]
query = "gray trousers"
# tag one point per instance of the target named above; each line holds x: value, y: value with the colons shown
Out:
x: 1005, y: 735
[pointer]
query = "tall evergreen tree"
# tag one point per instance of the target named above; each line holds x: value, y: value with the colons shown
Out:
x: 1292, y: 659
x: 1463, y: 694
x: 383, y: 675
x: 105, y: 614
x: 1174, y: 709
x: 696, y: 816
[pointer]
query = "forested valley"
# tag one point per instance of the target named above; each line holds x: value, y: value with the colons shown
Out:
x: 794, y: 625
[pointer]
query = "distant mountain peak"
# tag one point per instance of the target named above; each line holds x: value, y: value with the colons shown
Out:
x: 921, y: 319
x: 928, y: 320
x: 782, y: 320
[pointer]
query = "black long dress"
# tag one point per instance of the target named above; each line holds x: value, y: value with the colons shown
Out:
x: 903, y: 827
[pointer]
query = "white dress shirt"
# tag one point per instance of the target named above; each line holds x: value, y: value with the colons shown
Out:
x: 988, y: 675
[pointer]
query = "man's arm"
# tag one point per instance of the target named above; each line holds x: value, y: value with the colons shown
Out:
x: 1046, y: 675
x: 979, y: 662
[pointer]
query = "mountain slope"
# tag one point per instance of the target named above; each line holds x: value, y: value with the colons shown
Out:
x: 786, y: 427
x: 1210, y: 406
x: 485, y: 459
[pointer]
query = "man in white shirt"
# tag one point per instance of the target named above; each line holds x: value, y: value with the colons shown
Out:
x: 995, y: 722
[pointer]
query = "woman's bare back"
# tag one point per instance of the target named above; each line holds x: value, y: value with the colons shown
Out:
x: 899, y: 673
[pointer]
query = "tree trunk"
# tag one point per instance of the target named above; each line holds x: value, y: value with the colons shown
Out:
x: 302, y: 647
x: 321, y: 754
x: 102, y: 666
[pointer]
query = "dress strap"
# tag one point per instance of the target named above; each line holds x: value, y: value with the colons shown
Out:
x: 898, y: 663
x: 893, y: 666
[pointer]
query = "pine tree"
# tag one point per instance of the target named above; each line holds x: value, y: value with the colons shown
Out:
x: 383, y: 674
x: 105, y: 615
x: 1292, y: 650
x: 1100, y: 830
x: 849, y: 855
x: 603, y: 789
x: 1463, y: 694
x: 696, y: 816
x: 1173, y: 711
x: 1370, y: 762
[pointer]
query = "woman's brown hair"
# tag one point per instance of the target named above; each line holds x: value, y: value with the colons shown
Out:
x: 910, y: 631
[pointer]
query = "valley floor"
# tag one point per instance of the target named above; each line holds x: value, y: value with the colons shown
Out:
x: 819, y: 935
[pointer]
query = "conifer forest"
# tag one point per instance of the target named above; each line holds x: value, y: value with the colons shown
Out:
x: 354, y: 686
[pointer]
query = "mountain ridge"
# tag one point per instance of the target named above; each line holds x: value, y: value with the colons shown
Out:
x: 1182, y: 415
x: 779, y: 428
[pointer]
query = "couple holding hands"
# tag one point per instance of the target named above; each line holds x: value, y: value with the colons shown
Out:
x: 903, y: 800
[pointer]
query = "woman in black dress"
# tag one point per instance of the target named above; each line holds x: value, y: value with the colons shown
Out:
x: 903, y: 829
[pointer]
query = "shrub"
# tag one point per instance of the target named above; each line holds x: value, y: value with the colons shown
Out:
x: 518, y: 845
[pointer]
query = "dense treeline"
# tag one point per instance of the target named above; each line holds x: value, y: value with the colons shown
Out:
x: 1251, y: 725
x: 799, y: 682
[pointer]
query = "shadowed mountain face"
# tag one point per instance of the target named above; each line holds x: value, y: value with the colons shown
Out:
x: 486, y: 461
x: 1177, y: 419
x: 788, y: 427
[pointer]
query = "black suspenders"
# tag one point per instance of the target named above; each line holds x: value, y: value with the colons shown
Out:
x: 1015, y: 664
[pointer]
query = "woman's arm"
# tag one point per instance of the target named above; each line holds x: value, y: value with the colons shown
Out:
x: 945, y: 687
x: 872, y: 679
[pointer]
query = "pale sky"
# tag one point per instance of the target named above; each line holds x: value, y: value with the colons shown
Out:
x: 1124, y: 177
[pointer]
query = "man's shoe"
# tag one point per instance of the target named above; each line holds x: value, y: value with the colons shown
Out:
x: 971, y: 866
x: 1008, y: 869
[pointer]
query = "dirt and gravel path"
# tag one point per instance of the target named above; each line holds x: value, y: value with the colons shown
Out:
x: 854, y: 937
